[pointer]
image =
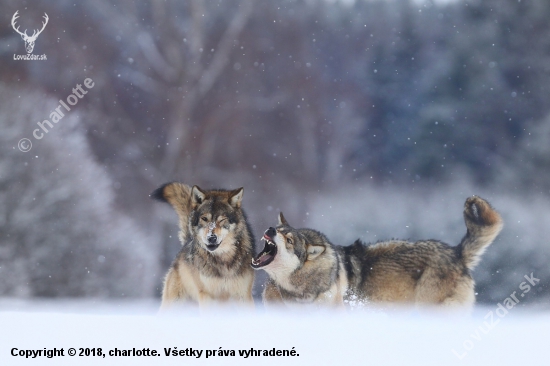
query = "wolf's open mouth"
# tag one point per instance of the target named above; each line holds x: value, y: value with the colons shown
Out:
x: 267, y: 255
x: 212, y: 247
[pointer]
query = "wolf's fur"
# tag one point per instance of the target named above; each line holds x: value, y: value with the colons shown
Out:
x: 427, y: 272
x: 213, y: 265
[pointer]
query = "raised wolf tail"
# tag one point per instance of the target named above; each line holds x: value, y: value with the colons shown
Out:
x: 178, y: 195
x: 483, y: 224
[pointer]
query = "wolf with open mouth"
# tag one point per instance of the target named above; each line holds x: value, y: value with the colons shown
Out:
x: 213, y: 265
x: 304, y: 267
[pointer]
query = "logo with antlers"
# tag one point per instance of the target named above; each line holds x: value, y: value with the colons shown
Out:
x: 29, y: 40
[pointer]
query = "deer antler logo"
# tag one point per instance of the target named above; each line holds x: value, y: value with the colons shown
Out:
x: 29, y: 40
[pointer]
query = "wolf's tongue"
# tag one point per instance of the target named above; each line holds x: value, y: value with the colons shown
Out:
x: 263, y: 258
x: 266, y: 256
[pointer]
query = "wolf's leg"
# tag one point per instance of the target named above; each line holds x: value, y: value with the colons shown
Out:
x: 342, y: 286
x: 463, y: 294
x: 431, y: 289
x: 240, y: 292
x: 454, y: 291
x: 173, y: 289
x: 247, y: 296
x: 205, y: 300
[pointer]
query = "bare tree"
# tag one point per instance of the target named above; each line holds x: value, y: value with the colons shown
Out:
x: 60, y: 234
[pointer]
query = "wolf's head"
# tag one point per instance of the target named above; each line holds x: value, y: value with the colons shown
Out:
x: 288, y: 249
x: 210, y: 217
x: 214, y: 217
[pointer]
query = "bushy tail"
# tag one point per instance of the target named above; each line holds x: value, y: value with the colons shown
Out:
x: 483, y: 224
x: 178, y: 195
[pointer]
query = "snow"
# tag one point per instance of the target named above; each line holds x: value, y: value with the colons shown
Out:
x: 405, y: 337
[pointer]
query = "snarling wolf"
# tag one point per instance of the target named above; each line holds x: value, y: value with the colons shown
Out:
x: 214, y: 263
x: 305, y: 267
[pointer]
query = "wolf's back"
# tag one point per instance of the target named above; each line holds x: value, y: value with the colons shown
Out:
x: 483, y: 225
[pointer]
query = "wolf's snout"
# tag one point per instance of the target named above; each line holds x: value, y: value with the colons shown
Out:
x: 267, y: 255
x: 213, y: 239
x: 270, y: 233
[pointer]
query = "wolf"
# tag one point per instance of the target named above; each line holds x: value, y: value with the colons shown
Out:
x: 218, y: 245
x: 305, y: 267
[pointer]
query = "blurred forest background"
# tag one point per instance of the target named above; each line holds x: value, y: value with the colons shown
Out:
x: 369, y: 119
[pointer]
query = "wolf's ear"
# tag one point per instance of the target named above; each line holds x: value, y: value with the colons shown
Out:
x: 282, y: 220
x: 178, y: 195
x: 313, y: 251
x: 197, y: 196
x: 236, y: 197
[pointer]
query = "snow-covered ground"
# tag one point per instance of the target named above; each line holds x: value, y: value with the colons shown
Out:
x: 322, y: 338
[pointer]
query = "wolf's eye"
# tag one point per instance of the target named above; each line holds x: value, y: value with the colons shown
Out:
x: 204, y: 218
x: 289, y: 241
